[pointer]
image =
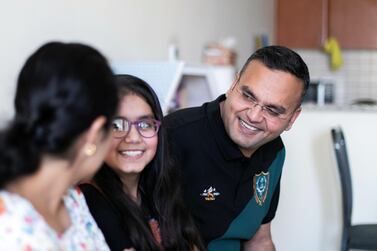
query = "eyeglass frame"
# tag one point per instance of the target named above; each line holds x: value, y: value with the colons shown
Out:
x: 135, y: 123
x: 267, y: 112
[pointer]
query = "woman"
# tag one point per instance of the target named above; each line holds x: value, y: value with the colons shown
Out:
x: 135, y: 197
x: 58, y: 137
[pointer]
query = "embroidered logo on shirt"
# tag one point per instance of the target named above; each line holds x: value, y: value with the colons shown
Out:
x: 260, y: 185
x: 210, y: 194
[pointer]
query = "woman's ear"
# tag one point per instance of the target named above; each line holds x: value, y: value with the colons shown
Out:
x: 88, y: 151
x: 94, y: 135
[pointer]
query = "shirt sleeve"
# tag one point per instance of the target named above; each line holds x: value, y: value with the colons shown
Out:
x: 107, y: 218
x: 273, y: 205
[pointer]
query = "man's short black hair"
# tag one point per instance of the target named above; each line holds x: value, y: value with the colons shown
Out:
x: 283, y: 59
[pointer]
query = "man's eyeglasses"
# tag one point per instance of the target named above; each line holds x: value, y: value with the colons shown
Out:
x: 147, y: 128
x: 270, y: 113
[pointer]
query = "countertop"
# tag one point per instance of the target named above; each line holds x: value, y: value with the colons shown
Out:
x: 356, y: 108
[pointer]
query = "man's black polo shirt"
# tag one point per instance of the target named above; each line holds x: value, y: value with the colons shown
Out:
x: 218, y: 181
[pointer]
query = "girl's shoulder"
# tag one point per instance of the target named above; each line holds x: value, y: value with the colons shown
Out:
x: 93, y: 196
x: 90, y: 189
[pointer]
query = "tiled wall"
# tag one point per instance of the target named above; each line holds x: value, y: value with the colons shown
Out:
x: 356, y: 79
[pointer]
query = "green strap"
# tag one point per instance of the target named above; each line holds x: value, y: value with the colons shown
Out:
x: 250, y: 219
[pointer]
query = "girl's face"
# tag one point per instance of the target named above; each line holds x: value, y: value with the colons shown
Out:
x: 130, y: 154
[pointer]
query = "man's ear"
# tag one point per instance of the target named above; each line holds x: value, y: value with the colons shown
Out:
x: 293, y: 118
x: 235, y: 81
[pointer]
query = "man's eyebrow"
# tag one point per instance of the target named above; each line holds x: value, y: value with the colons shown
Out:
x: 277, y: 108
x: 246, y: 89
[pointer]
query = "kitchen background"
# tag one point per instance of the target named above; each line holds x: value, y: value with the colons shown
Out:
x: 309, y: 214
x: 127, y: 30
x: 356, y: 80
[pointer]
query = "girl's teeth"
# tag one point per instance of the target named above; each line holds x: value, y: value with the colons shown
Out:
x: 132, y: 153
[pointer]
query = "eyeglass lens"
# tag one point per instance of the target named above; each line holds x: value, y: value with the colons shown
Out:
x: 249, y: 100
x: 147, y: 128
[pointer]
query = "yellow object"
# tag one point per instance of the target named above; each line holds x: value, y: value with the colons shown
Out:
x: 90, y: 149
x: 332, y: 47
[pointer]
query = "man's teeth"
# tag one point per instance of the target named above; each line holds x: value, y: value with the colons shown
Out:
x: 132, y: 153
x: 244, y: 124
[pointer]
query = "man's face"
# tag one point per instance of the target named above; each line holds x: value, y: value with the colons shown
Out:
x: 260, y: 106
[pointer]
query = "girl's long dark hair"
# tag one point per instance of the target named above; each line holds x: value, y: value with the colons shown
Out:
x: 158, y: 186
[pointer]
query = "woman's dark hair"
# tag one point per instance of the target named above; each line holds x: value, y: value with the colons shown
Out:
x: 61, y: 90
x: 158, y: 188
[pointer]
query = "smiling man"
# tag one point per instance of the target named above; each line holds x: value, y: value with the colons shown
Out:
x: 231, y: 153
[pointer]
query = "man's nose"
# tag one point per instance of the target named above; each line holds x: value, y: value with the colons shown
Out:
x: 255, y: 113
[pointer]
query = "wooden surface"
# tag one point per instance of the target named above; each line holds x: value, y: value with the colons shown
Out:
x: 354, y: 23
x: 307, y: 23
x: 301, y: 23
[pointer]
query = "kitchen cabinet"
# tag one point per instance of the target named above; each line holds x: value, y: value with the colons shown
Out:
x: 179, y: 85
x: 307, y: 23
x: 301, y: 23
x: 354, y: 23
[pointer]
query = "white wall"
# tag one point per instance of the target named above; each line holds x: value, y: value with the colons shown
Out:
x: 309, y: 212
x: 125, y: 29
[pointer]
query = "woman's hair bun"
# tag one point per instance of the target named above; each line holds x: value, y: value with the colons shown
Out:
x: 19, y: 156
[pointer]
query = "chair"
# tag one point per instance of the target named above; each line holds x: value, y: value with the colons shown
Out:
x: 353, y: 236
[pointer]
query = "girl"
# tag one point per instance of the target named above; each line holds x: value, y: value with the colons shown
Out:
x: 135, y: 197
x: 58, y: 137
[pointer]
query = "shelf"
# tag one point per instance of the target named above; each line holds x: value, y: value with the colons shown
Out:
x: 165, y: 77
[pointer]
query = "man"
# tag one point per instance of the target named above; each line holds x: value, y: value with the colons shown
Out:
x: 231, y: 152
